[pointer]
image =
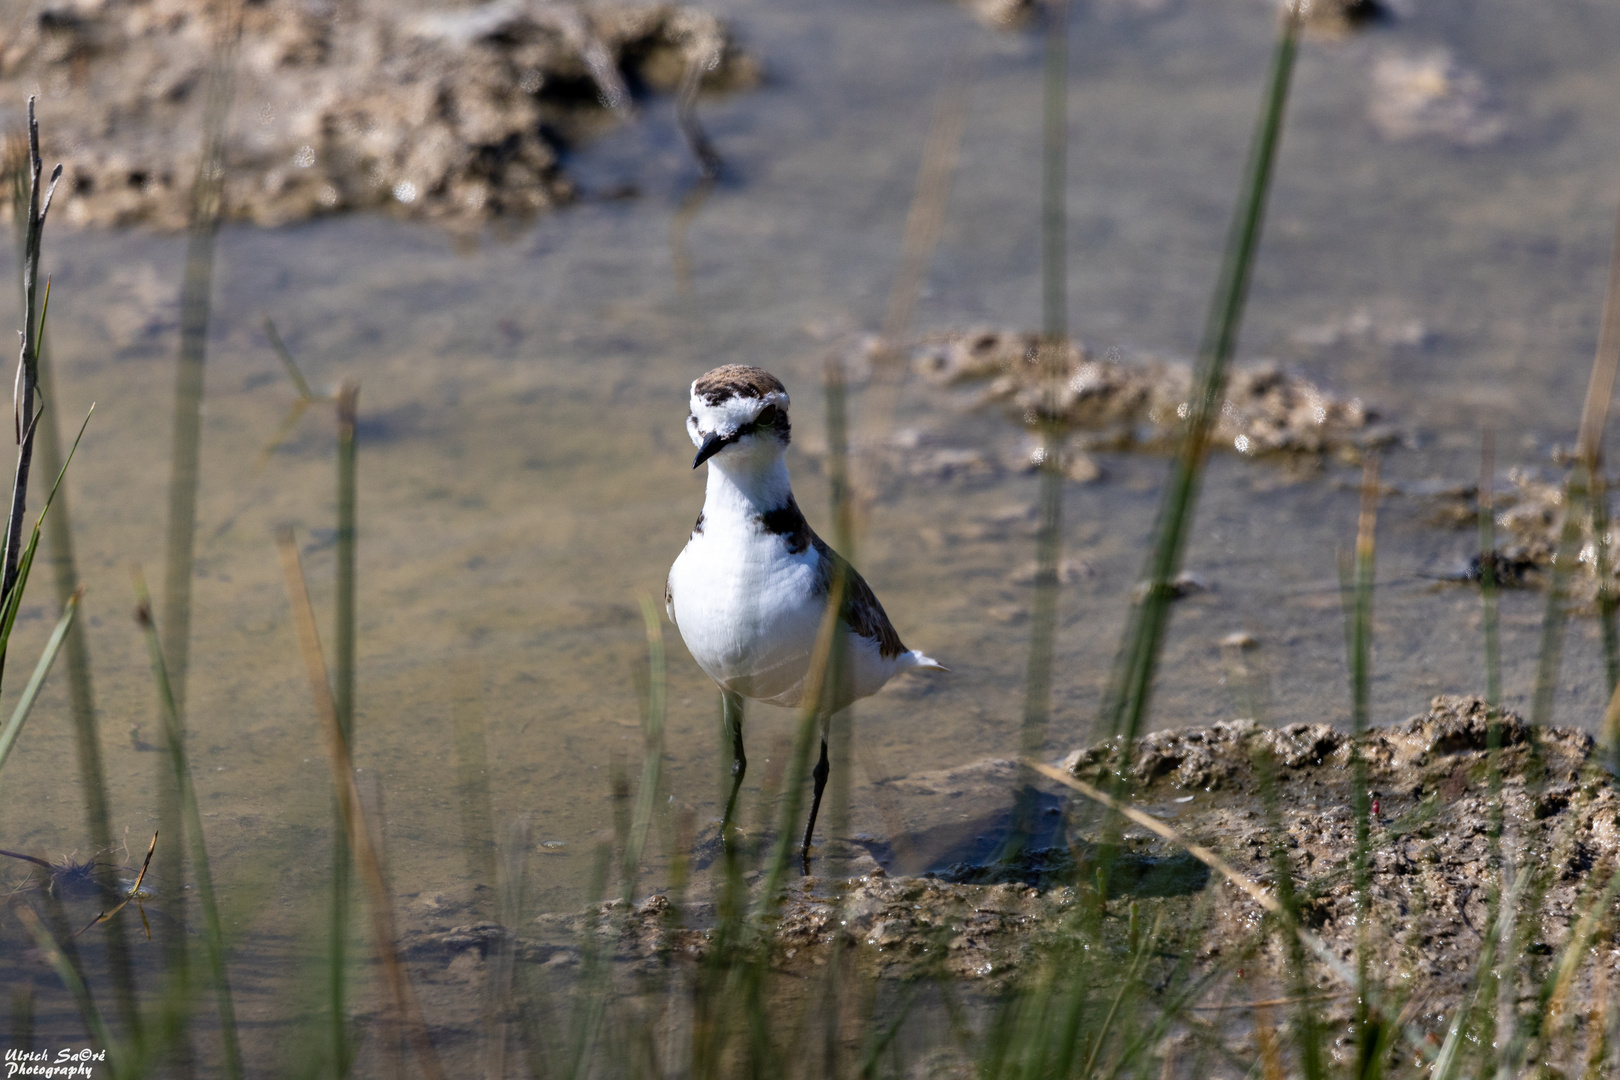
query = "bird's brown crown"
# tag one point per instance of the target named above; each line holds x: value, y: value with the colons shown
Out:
x: 736, y: 380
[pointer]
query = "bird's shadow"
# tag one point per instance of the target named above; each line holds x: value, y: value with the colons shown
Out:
x: 982, y: 850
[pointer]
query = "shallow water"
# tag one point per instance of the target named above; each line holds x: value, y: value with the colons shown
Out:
x: 525, y: 475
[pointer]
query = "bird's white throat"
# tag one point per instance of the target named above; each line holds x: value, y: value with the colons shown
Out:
x: 743, y: 486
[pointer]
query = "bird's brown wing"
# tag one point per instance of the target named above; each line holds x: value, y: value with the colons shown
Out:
x: 861, y: 609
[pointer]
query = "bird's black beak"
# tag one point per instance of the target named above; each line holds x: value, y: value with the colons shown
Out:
x: 713, y: 443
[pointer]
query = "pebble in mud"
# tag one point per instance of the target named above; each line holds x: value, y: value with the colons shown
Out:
x: 454, y: 116
x: 1111, y: 403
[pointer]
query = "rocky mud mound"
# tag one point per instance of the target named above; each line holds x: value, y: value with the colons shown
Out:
x: 1434, y: 867
x: 1112, y: 403
x: 454, y: 114
x: 1529, y: 522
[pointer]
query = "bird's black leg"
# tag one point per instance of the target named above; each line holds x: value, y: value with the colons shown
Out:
x: 820, y: 773
x: 731, y: 724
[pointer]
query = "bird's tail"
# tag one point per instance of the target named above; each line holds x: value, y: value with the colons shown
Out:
x: 915, y: 659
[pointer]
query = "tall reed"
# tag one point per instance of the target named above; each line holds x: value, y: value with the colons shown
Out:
x: 478, y: 837
x: 81, y: 690
x: 196, y: 300
x: 1126, y: 704
x: 206, y: 212
x: 361, y: 832
x: 29, y: 207
x: 1359, y: 579
x: 175, y: 743
x: 11, y: 606
x: 25, y: 704
x: 1486, y: 499
x: 1589, y: 452
x: 1053, y: 349
x: 24, y: 406
x: 343, y: 707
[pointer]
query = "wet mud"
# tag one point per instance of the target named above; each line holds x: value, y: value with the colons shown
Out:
x: 1529, y: 515
x: 459, y: 116
x: 1451, y: 821
x: 1114, y: 403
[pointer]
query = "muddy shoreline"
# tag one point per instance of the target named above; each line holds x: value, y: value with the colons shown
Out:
x: 460, y: 117
x: 1436, y: 862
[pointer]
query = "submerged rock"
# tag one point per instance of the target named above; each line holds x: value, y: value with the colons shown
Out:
x: 454, y: 115
x: 1112, y: 403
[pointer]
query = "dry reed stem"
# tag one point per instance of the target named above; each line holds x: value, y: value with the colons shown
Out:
x: 815, y: 681
x: 1486, y: 498
x: 1270, y: 1003
x: 279, y: 347
x: 133, y: 893
x: 1265, y: 1033
x: 1208, y: 858
x: 39, y: 204
x: 1597, y: 1027
x: 1611, y: 721
x: 360, y: 832
x: 709, y: 161
x: 926, y: 215
x: 1600, y: 387
x: 924, y: 220
x: 1574, y: 956
x: 1147, y: 821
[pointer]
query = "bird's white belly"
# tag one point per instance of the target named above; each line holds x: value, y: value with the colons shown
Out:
x: 749, y: 613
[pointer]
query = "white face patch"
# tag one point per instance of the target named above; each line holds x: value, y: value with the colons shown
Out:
x: 729, y: 415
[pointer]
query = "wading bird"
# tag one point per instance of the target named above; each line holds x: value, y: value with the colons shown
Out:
x: 749, y: 591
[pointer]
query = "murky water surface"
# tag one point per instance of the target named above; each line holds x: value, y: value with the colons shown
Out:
x: 526, y: 477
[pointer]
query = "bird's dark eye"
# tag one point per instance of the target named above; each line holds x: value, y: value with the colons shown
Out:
x: 767, y: 416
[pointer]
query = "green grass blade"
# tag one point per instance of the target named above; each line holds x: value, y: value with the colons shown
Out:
x: 343, y: 643
x: 75, y: 985
x: 1589, y: 452
x: 1449, y: 1060
x: 1550, y: 653
x: 652, y: 765
x: 23, y: 401
x: 285, y: 356
x: 840, y: 728
x: 13, y: 600
x: 81, y: 691
x: 1126, y: 703
x: 30, y: 693
x: 1487, y: 570
x: 1054, y: 344
x: 1603, y: 569
x: 343, y: 653
x: 196, y: 297
x: 1358, y: 593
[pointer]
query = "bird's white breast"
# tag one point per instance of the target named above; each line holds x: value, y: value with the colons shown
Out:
x: 749, y: 610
